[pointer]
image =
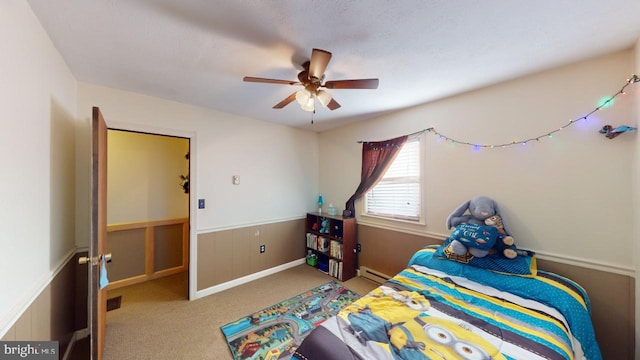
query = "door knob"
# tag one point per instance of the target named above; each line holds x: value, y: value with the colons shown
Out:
x: 94, y: 260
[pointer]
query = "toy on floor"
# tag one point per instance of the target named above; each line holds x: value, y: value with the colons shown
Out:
x: 481, y: 210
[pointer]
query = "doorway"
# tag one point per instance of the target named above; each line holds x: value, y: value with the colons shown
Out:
x: 148, y: 207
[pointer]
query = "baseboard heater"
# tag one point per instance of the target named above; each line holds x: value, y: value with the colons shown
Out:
x: 373, y: 275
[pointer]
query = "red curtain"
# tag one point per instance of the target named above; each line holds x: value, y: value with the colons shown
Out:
x: 376, y: 158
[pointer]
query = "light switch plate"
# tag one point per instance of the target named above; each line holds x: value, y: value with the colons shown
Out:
x: 236, y: 180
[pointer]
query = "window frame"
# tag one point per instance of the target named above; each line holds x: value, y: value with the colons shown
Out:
x: 381, y: 219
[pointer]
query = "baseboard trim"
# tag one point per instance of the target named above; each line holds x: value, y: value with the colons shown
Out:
x: 77, y: 335
x: 245, y: 279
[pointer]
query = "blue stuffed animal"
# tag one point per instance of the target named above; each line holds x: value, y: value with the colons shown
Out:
x: 324, y: 225
x: 482, y: 210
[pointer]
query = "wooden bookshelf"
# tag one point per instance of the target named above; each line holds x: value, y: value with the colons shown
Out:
x: 334, y: 244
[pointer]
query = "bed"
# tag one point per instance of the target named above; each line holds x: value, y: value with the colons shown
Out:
x: 437, y: 308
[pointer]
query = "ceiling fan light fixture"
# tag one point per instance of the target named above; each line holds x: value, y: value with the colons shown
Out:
x: 303, y: 97
x: 324, y: 97
x: 312, y: 78
x: 309, y: 106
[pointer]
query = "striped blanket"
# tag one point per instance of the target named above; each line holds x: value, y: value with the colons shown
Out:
x: 441, y: 309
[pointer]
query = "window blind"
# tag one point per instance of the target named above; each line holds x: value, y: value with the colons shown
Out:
x: 397, y: 195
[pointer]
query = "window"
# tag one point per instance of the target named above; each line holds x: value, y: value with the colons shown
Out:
x: 398, y: 193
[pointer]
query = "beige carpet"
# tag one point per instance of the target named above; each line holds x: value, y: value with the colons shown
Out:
x: 156, y: 321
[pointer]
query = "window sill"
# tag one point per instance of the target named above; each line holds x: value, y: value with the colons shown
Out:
x: 404, y: 226
x: 390, y: 222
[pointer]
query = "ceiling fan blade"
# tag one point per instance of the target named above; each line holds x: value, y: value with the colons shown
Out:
x: 269, y: 81
x: 285, y: 102
x: 319, y: 60
x: 332, y: 105
x: 352, y: 84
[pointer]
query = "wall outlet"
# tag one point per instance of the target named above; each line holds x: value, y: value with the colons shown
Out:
x: 262, y: 248
x: 200, y: 203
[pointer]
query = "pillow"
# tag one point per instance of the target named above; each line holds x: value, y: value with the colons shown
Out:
x: 523, y: 265
x: 475, y: 236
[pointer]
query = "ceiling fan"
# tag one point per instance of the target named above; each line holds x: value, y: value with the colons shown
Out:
x: 312, y: 78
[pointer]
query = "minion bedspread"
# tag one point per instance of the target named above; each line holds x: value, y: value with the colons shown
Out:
x: 441, y: 309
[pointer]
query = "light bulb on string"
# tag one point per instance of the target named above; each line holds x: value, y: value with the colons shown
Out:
x: 603, y: 104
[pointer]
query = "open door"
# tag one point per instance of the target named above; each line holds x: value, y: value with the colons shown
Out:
x: 98, y: 245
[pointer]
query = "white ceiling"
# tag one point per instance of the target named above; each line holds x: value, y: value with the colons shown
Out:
x: 198, y: 51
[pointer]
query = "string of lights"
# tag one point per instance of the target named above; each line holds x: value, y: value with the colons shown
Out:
x: 603, y: 104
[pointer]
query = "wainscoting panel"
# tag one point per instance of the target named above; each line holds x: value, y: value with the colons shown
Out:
x: 146, y: 250
x: 231, y: 254
x: 388, y: 251
x: 53, y: 314
x: 127, y: 248
x: 612, y: 295
x: 280, y: 236
x: 168, y: 249
x: 215, y: 264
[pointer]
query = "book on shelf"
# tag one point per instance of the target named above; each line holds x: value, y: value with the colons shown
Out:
x: 336, y: 249
x: 312, y: 241
x: 323, y: 244
x: 335, y: 268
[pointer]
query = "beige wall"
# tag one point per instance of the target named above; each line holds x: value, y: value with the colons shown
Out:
x: 144, y: 177
x: 563, y: 197
x: 37, y: 153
